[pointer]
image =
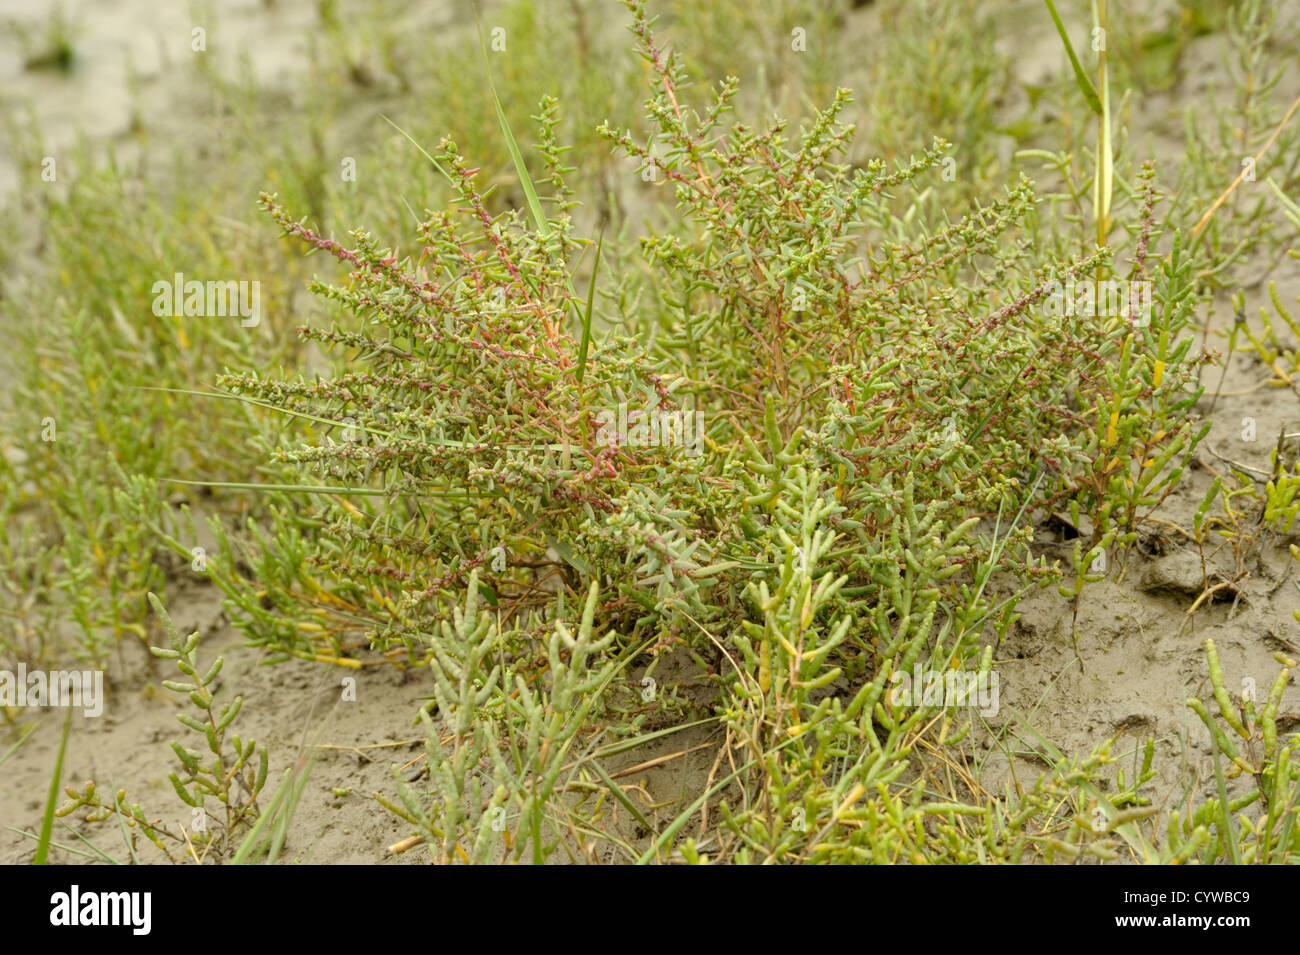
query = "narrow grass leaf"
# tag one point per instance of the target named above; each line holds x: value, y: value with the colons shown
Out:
x: 1080, y: 77
x: 585, y: 344
x: 47, y: 823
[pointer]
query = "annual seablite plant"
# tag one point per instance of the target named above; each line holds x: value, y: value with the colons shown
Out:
x: 884, y: 393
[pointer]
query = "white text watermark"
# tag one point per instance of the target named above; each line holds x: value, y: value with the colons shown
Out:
x: 197, y: 299
x: 75, y: 907
x: 651, y: 428
x: 66, y: 688
x: 1110, y: 298
x: 946, y: 688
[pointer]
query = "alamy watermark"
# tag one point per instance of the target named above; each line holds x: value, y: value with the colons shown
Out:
x: 129, y: 909
x: 66, y: 688
x: 651, y: 428
x: 197, y: 299
x: 1110, y: 297
x: 946, y: 688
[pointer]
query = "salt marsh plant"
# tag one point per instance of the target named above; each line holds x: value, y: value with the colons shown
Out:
x: 875, y: 385
x: 1245, y: 741
x: 232, y: 771
x: 1235, y: 156
x: 513, y: 737
x: 888, y: 394
x: 91, y: 427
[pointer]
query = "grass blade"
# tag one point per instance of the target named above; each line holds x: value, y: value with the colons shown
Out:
x: 585, y: 344
x: 1080, y: 77
x: 271, y: 407
x: 622, y: 746
x: 279, y: 814
x: 305, y: 488
x: 121, y: 822
x: 253, y: 839
x: 535, y: 208
x: 71, y: 850
x: 423, y: 152
x: 622, y: 797
x: 103, y: 856
x: 27, y: 734
x: 525, y: 180
x: 302, y: 771
x: 47, y: 823
x: 1225, y: 808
